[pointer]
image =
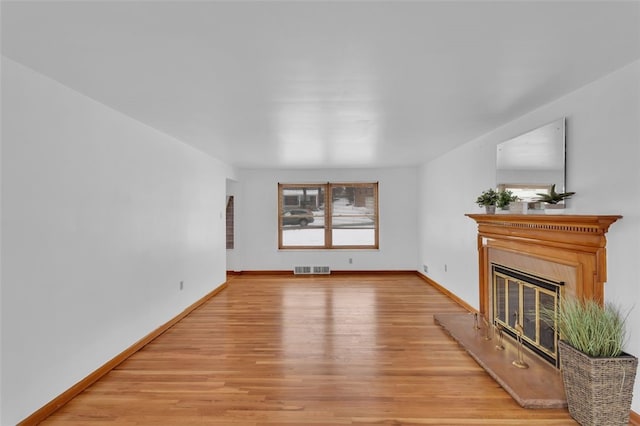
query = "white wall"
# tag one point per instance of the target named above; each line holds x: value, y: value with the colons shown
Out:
x: 257, y: 221
x: 603, y: 151
x: 102, y: 218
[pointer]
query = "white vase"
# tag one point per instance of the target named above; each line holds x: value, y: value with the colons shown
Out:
x: 518, y: 207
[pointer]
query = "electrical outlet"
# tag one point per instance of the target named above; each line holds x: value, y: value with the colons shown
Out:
x: 350, y: 260
x: 425, y: 268
x: 445, y: 267
x: 181, y: 285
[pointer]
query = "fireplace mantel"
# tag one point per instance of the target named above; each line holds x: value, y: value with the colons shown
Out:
x: 575, y: 242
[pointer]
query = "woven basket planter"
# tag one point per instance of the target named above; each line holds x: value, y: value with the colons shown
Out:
x: 599, y: 390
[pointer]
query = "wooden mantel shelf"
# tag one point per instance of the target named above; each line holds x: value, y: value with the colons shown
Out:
x: 576, y: 241
x: 600, y: 221
x: 586, y: 231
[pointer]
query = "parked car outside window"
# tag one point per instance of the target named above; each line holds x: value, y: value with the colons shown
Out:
x: 301, y: 217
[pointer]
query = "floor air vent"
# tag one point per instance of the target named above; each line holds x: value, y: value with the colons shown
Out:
x: 308, y: 270
x: 298, y: 270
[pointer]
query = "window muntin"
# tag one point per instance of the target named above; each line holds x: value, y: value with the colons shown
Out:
x: 345, y: 218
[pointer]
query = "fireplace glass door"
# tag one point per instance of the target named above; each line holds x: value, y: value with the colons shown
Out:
x: 520, y: 298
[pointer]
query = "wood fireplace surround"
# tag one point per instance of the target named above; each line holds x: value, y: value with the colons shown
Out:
x: 570, y: 249
x: 567, y: 248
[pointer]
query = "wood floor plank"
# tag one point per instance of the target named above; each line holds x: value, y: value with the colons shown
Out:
x: 276, y: 350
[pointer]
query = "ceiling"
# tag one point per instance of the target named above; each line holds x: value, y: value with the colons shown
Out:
x: 323, y: 84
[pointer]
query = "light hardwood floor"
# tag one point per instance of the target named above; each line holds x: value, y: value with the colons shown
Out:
x: 278, y: 350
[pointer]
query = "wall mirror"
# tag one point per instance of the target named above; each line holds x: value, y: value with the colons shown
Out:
x: 530, y: 163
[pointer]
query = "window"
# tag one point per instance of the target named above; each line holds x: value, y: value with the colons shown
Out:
x: 328, y: 215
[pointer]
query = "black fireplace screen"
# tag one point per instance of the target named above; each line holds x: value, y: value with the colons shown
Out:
x: 519, y: 297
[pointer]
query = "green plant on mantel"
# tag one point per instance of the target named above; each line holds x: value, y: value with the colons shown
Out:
x: 505, y: 198
x: 488, y: 198
x: 554, y: 197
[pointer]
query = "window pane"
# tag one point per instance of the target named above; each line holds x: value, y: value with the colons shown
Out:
x: 302, y: 218
x: 353, y: 215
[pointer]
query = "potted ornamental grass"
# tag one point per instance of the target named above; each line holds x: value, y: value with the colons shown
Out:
x: 598, y: 375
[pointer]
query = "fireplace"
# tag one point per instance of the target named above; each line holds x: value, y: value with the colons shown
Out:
x: 525, y: 262
x: 521, y: 298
